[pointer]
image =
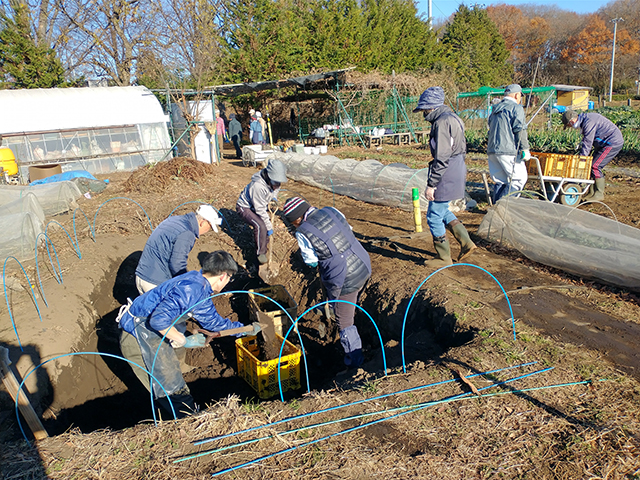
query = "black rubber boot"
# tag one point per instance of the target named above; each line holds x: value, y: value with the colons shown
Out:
x: 462, y: 236
x: 443, y: 252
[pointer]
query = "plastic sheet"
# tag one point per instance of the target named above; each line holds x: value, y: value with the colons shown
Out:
x: 54, y: 198
x: 18, y: 233
x: 570, y: 239
x: 368, y: 180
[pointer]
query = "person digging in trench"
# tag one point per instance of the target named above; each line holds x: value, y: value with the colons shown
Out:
x: 326, y: 241
x: 253, y: 203
x: 144, y: 321
x: 167, y: 250
x: 606, y: 139
x: 447, y: 176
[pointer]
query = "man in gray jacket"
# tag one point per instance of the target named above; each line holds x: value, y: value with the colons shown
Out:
x: 508, y: 145
x: 447, y: 175
x: 253, y: 203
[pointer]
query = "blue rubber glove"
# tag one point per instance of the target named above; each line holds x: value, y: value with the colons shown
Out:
x: 195, y: 341
x: 256, y: 328
x: 313, y: 264
x: 269, y: 233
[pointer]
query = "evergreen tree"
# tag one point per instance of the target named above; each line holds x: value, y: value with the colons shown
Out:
x: 474, y: 48
x: 24, y: 63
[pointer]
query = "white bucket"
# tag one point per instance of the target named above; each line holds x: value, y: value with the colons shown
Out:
x: 323, y: 149
x: 315, y: 151
x: 308, y: 150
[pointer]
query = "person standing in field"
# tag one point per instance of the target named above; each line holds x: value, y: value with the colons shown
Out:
x: 235, y: 132
x: 508, y: 144
x: 606, y: 139
x: 447, y: 176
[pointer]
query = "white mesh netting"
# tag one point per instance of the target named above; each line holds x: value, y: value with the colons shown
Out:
x: 567, y: 238
x: 54, y: 198
x: 368, y: 180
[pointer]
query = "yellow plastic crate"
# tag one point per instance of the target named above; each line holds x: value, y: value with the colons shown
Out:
x: 263, y: 376
x: 559, y: 165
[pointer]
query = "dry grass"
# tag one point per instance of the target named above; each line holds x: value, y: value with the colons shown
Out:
x: 156, y: 178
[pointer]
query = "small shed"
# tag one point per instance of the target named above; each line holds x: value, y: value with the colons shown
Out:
x: 573, y: 96
x: 100, y: 130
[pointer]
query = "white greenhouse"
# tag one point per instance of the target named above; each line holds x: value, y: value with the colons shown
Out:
x: 101, y: 130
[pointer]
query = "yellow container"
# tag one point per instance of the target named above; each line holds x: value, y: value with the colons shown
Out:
x: 263, y: 376
x: 260, y: 307
x: 8, y: 161
x: 558, y: 165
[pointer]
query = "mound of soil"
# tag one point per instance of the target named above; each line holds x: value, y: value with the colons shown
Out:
x: 156, y: 178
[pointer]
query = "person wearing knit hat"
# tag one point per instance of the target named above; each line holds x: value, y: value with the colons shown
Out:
x: 446, y: 178
x: 508, y: 144
x: 327, y: 242
x: 253, y: 203
x: 166, y: 252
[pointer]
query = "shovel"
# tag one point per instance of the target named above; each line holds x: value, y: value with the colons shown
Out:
x: 268, y: 272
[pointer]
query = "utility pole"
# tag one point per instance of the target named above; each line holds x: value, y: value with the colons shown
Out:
x: 429, y: 14
x: 613, y: 53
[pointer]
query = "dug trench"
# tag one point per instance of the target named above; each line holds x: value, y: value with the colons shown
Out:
x: 91, y: 392
x: 450, y: 310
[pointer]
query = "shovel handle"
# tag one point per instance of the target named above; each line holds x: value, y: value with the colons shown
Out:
x: 227, y: 333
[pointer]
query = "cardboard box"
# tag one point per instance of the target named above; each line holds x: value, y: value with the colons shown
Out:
x: 43, y: 171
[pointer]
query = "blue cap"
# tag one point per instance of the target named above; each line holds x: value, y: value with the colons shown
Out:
x: 432, y: 97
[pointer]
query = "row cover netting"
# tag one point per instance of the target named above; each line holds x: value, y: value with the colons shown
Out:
x: 22, y: 214
x: 567, y: 238
x: 367, y: 180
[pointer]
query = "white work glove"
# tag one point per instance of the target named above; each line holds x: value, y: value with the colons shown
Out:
x: 526, y: 155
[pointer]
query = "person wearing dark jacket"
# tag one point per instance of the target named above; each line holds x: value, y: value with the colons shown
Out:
x: 167, y: 250
x: 606, y: 139
x: 447, y: 176
x: 235, y: 132
x: 326, y: 241
x: 508, y: 144
x: 150, y: 317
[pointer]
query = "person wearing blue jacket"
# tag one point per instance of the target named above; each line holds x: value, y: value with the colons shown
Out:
x: 151, y: 316
x: 604, y: 137
x: 167, y: 250
x: 447, y: 176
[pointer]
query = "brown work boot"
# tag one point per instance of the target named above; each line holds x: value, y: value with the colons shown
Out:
x: 443, y: 253
x: 462, y: 236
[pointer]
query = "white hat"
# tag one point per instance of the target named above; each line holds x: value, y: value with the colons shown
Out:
x: 258, y: 114
x: 210, y: 215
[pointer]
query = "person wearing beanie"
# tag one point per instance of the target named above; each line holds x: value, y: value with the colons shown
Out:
x: 508, y: 144
x: 253, y: 203
x: 167, y: 250
x: 447, y: 176
x: 606, y: 139
x: 326, y: 241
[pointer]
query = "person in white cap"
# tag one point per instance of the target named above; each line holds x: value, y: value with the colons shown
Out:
x: 167, y: 249
x: 508, y: 144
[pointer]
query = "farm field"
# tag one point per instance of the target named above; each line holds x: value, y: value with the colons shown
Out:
x: 570, y: 332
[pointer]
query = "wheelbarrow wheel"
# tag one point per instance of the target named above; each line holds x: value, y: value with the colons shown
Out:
x: 572, y: 196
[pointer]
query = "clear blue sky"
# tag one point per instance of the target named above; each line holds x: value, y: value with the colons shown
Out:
x: 442, y: 9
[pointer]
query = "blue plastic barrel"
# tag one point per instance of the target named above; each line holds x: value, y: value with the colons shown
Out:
x: 591, y: 104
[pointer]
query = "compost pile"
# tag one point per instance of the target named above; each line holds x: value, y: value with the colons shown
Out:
x: 156, y: 178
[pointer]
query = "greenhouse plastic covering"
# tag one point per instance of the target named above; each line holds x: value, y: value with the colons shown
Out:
x: 18, y: 233
x: 567, y: 238
x: 367, y: 180
x: 54, y: 198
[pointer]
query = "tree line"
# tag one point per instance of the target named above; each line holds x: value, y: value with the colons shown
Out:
x: 196, y: 43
